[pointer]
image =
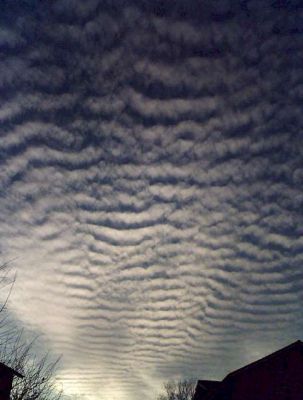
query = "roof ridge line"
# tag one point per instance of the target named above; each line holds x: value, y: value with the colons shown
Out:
x: 260, y: 360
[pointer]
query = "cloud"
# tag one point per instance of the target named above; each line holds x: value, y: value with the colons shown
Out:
x: 151, y: 187
x: 9, y: 38
x: 66, y: 7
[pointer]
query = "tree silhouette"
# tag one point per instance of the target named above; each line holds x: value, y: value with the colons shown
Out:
x: 18, y: 353
x: 178, y: 390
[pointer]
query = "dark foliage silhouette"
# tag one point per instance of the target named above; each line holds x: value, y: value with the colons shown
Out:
x: 17, y: 352
x: 178, y: 390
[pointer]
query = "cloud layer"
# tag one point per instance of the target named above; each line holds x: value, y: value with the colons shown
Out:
x: 151, y: 185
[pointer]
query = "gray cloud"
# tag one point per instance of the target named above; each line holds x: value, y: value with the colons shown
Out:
x: 151, y: 186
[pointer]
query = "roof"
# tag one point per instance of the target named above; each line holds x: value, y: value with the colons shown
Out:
x: 206, y: 386
x: 14, y: 372
x: 298, y: 345
x: 209, y: 390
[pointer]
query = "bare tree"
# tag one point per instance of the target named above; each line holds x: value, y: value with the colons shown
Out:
x: 178, y: 390
x: 18, y: 353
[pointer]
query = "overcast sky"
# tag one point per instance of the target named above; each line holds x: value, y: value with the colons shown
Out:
x: 151, y: 176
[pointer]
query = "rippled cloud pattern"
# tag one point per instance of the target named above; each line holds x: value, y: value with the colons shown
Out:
x: 151, y: 182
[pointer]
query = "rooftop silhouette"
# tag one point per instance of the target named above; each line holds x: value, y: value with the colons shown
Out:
x: 6, y: 380
x: 278, y: 376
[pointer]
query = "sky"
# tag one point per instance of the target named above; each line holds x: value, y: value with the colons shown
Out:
x: 151, y: 176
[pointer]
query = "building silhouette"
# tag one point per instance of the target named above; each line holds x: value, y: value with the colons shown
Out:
x: 6, y: 380
x: 278, y: 376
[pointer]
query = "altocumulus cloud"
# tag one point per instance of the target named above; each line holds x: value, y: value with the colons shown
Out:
x: 151, y: 184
